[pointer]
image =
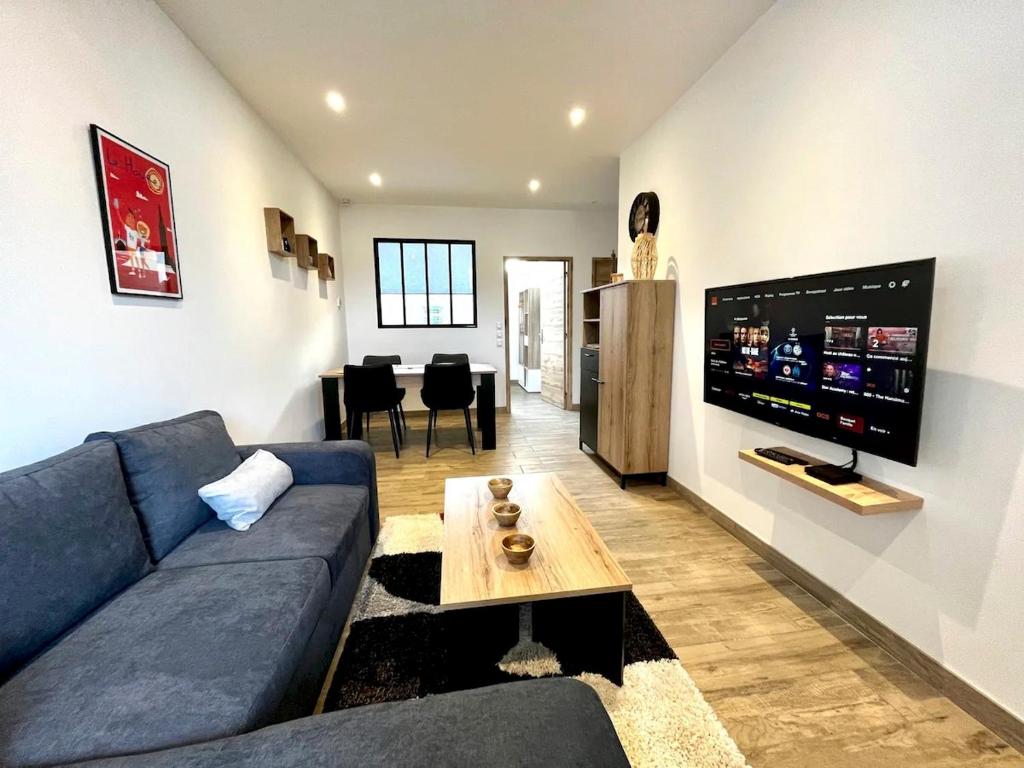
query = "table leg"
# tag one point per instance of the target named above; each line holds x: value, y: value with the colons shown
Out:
x: 332, y: 409
x: 485, y: 411
x: 586, y: 633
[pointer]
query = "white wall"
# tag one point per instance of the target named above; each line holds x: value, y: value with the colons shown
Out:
x: 842, y: 134
x: 498, y: 232
x: 252, y: 331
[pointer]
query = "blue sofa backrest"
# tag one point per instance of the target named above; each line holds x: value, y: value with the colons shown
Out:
x: 70, y: 542
x: 165, y: 465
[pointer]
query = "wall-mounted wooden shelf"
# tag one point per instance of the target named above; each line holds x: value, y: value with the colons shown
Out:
x: 306, y: 254
x: 325, y: 266
x: 868, y: 497
x: 280, y: 232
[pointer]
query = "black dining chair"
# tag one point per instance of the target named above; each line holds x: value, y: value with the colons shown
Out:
x: 368, y: 389
x: 440, y: 358
x: 390, y: 360
x: 447, y: 387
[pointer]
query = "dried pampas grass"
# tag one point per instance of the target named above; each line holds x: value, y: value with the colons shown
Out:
x: 645, y: 256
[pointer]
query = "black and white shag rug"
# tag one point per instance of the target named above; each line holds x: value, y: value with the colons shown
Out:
x: 401, y: 646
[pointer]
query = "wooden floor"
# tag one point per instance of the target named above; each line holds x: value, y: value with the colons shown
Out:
x: 793, y: 683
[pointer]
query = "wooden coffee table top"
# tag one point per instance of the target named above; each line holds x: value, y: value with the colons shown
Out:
x: 569, y: 558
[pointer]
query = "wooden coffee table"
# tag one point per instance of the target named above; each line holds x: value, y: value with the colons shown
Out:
x: 575, y: 588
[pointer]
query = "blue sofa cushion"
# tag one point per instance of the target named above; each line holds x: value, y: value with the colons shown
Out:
x: 70, y: 542
x: 183, y: 656
x: 305, y: 521
x: 532, y: 724
x: 165, y: 465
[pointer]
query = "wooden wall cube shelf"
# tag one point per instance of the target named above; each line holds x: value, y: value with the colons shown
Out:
x: 326, y: 266
x: 868, y: 497
x: 306, y: 254
x: 280, y: 232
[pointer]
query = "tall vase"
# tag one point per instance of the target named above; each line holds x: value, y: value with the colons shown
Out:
x: 645, y: 256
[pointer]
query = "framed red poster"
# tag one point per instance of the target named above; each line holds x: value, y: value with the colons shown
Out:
x: 138, y: 218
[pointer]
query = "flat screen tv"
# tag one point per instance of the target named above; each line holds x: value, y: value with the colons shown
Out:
x: 839, y: 355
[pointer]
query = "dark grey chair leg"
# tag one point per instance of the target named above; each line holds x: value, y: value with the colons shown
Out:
x: 348, y: 423
x: 469, y: 430
x: 405, y: 424
x: 430, y: 430
x: 398, y: 423
x: 394, y: 432
x: 437, y: 440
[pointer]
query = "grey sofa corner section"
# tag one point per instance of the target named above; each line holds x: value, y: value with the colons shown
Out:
x: 165, y: 464
x: 183, y: 656
x: 556, y: 722
x: 345, y: 462
x: 305, y: 521
x: 70, y: 542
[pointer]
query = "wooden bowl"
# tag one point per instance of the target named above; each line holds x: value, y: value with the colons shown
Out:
x: 518, y: 547
x: 506, y: 513
x: 500, y: 487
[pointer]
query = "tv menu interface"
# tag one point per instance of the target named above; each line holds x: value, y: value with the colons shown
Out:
x: 839, y: 356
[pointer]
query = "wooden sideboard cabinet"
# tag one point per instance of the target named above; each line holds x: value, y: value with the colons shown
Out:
x: 630, y: 324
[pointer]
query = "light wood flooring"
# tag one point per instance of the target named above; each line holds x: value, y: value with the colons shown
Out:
x: 793, y: 683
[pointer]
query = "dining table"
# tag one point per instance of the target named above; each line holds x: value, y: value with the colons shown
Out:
x: 411, y: 377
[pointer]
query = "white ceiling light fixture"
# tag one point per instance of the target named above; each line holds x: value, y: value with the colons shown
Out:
x: 375, y: 179
x: 576, y: 116
x: 335, y: 101
x: 534, y: 185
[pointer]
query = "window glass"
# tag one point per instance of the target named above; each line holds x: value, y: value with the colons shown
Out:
x: 415, y: 268
x: 462, y: 268
x: 437, y: 267
x: 390, y: 260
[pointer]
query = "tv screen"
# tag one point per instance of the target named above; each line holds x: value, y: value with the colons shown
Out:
x: 840, y: 355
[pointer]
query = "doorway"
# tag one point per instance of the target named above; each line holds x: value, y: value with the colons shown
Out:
x: 538, y: 328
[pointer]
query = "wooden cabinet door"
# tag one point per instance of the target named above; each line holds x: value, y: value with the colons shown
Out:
x: 611, y: 412
x: 552, y: 335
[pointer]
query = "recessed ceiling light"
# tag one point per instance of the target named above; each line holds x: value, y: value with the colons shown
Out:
x: 576, y: 116
x: 375, y: 179
x: 335, y: 101
x: 534, y: 185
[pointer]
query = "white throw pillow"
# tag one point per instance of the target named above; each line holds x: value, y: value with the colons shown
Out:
x: 242, y: 498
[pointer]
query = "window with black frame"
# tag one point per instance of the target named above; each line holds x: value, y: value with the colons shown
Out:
x: 425, y: 283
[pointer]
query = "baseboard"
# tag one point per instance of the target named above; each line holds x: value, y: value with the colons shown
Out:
x: 574, y: 406
x: 1003, y: 723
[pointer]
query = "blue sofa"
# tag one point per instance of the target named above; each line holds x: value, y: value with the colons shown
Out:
x: 133, y: 621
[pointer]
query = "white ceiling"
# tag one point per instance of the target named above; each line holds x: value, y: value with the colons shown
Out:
x: 458, y: 102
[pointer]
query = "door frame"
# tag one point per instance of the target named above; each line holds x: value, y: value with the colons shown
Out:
x: 567, y: 351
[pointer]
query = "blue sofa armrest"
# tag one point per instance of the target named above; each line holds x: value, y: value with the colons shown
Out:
x: 331, y: 462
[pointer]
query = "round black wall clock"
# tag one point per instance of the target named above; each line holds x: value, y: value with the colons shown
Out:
x: 644, y: 215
